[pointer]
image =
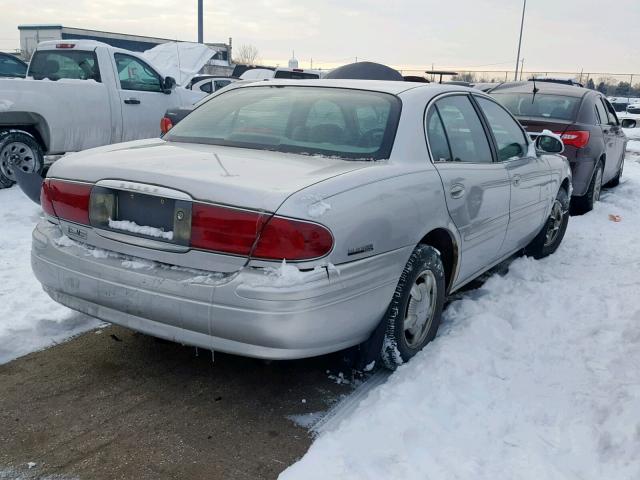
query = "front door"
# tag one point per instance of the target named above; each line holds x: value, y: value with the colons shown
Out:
x: 143, y: 101
x: 529, y: 175
x: 476, y: 188
x: 615, y: 142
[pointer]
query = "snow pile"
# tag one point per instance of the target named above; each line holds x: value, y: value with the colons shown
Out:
x: 29, y: 319
x: 133, y: 227
x: 533, y: 376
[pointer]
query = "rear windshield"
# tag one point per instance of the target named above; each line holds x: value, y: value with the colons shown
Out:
x: 350, y: 124
x: 58, y: 64
x: 11, y: 67
x: 296, y: 75
x: 557, y: 107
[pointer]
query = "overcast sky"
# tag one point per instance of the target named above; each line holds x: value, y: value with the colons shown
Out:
x: 559, y: 35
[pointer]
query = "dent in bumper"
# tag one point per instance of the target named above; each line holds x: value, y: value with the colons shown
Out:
x: 235, y: 313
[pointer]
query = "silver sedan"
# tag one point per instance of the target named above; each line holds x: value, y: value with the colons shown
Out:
x: 288, y: 220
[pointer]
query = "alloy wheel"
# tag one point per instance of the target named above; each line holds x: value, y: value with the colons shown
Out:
x: 555, y: 222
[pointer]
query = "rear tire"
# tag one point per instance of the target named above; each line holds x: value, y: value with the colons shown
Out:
x: 585, y: 203
x: 18, y: 150
x: 549, y: 238
x: 414, y: 313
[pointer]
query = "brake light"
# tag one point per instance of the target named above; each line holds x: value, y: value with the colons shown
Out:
x: 66, y: 200
x: 45, y: 199
x: 293, y: 240
x: 575, y: 138
x: 165, y: 124
x: 65, y: 45
x: 234, y: 231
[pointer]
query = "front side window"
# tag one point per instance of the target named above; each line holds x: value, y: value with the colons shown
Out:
x: 613, y: 118
x: 540, y: 105
x: 134, y: 74
x: 58, y: 64
x: 11, y: 67
x: 218, y: 84
x: 466, y: 135
x: 510, y: 138
x: 349, y: 124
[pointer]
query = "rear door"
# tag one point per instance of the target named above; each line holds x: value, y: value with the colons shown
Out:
x: 477, y: 188
x: 530, y: 176
x: 143, y: 99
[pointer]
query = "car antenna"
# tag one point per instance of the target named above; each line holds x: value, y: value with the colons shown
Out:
x: 535, y: 90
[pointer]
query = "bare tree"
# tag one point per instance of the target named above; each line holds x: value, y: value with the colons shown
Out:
x: 245, y: 55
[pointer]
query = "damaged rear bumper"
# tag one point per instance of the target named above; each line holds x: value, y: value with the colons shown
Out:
x: 240, y: 313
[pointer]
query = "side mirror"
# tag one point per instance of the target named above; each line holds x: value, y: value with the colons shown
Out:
x: 629, y: 123
x: 168, y: 84
x: 549, y: 143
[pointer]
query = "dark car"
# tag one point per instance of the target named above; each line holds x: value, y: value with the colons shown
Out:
x: 594, y: 140
x: 12, y: 67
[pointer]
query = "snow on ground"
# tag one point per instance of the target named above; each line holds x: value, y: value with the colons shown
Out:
x: 534, y: 376
x: 29, y: 319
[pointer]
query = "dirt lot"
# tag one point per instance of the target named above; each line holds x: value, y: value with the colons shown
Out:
x: 121, y: 405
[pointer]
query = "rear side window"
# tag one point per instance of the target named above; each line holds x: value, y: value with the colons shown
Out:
x: 11, y: 67
x: 58, y: 64
x: 466, y: 135
x: 558, y: 107
x: 510, y: 139
x: 134, y: 74
x: 437, y: 138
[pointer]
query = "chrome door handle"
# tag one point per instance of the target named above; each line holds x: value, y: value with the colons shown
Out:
x: 457, y: 191
x: 132, y: 101
x: 516, y: 180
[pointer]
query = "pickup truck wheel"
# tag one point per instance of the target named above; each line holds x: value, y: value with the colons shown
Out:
x: 18, y: 150
x: 413, y: 316
x: 549, y: 238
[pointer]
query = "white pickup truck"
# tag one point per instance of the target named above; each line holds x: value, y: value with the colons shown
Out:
x: 78, y: 95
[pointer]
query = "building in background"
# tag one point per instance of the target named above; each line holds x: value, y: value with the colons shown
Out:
x: 31, y: 35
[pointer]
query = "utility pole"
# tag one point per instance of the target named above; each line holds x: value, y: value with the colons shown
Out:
x: 524, y: 7
x: 200, y: 23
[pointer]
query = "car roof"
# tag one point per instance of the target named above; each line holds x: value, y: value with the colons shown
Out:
x: 384, y: 86
x: 542, y: 87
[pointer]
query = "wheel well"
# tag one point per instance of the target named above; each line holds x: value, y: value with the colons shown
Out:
x: 444, y: 242
x: 31, y: 123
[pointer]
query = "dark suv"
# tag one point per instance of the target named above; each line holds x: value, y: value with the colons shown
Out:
x: 594, y: 140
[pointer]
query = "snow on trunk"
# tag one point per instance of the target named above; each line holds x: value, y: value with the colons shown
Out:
x: 533, y: 376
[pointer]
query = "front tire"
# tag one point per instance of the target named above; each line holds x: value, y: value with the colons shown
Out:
x: 413, y: 316
x: 18, y: 150
x: 549, y: 238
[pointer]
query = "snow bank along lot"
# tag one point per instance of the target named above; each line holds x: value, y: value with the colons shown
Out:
x: 536, y: 375
x: 29, y: 319
x: 533, y: 376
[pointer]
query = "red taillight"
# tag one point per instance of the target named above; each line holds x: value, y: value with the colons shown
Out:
x: 224, y: 229
x: 66, y: 200
x: 65, y: 45
x: 293, y: 240
x: 165, y: 124
x: 575, y: 138
x: 45, y: 199
x: 234, y: 231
